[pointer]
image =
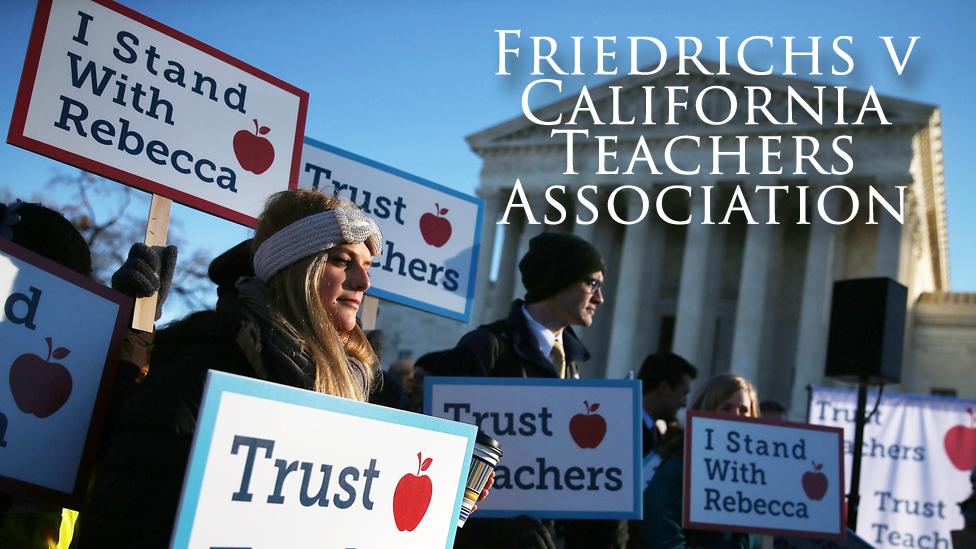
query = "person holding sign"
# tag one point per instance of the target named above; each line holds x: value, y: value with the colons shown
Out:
x: 293, y: 323
x: 662, y: 529
x: 563, y: 279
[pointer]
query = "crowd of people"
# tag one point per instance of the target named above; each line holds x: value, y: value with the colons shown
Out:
x: 287, y: 313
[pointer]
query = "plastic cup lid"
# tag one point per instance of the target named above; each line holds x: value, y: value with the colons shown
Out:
x: 486, y: 440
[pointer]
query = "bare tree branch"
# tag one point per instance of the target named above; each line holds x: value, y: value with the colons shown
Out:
x: 100, y: 210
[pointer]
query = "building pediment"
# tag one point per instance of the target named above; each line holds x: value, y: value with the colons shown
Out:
x: 634, y: 106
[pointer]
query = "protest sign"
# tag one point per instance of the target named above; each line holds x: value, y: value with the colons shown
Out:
x: 275, y: 466
x: 61, y: 333
x: 572, y: 448
x: 917, y: 454
x: 432, y: 233
x: 752, y: 475
x: 109, y: 90
x: 850, y: 541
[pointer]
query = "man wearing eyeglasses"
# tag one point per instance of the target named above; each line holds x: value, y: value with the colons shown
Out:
x: 563, y: 279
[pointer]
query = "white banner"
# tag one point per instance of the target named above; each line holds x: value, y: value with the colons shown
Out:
x: 432, y: 233
x: 116, y: 93
x: 754, y: 475
x: 917, y: 455
x: 59, y: 336
x: 572, y: 448
x: 275, y: 466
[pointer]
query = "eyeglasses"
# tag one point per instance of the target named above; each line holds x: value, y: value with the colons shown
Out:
x: 593, y: 285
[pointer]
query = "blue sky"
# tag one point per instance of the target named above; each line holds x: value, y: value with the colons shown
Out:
x: 404, y: 82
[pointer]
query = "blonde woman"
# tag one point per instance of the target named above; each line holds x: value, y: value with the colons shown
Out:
x: 293, y: 323
x: 661, y: 528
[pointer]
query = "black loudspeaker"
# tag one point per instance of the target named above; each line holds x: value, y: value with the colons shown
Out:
x: 867, y: 330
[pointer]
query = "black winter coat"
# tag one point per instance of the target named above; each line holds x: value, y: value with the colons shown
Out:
x: 508, y: 348
x: 137, y: 485
x: 504, y: 348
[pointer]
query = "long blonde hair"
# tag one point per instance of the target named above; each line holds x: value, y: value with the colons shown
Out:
x: 296, y: 308
x: 719, y: 388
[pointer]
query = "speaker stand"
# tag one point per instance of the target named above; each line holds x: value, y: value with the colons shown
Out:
x: 854, y: 497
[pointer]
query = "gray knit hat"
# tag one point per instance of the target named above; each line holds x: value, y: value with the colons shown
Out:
x: 313, y: 234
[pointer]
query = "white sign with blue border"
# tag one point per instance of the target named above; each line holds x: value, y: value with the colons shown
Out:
x: 572, y: 448
x: 275, y: 466
x: 432, y: 233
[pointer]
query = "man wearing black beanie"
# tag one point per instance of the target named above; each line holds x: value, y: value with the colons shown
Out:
x: 563, y: 279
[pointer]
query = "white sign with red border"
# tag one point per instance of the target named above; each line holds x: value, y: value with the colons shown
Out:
x: 571, y: 448
x: 432, y: 233
x: 113, y: 92
x: 275, y: 466
x: 59, y: 337
x: 768, y: 476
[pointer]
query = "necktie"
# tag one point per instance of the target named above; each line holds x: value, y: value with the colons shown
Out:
x: 558, y: 358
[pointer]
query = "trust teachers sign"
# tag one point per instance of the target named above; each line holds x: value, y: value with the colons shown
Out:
x: 918, y: 451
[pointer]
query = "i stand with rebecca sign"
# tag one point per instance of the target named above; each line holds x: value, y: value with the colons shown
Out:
x: 754, y: 475
x: 118, y: 94
x: 113, y: 92
x: 867, y: 331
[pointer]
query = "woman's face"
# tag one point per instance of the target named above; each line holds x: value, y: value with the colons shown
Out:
x: 738, y: 404
x: 343, y: 281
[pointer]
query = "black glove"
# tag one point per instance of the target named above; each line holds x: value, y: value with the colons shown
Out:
x: 521, y: 532
x: 147, y: 271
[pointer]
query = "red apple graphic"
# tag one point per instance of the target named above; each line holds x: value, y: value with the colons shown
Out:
x: 40, y: 387
x: 435, y: 229
x: 254, y: 152
x: 412, y: 497
x: 815, y: 482
x: 588, y: 430
x: 960, y: 444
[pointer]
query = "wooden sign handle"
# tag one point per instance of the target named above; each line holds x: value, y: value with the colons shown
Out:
x: 368, y: 312
x: 157, y: 229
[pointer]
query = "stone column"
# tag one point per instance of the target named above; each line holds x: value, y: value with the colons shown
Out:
x: 641, y: 242
x: 693, y: 288
x: 888, y: 248
x: 814, y: 322
x: 537, y: 201
x: 481, y: 294
x: 586, y: 232
x: 750, y: 305
x: 499, y: 302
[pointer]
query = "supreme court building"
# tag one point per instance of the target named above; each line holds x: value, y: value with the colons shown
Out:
x: 753, y: 299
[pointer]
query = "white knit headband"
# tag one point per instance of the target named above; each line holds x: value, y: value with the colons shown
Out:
x: 314, y: 234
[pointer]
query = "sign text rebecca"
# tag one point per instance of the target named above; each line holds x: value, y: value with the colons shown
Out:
x: 118, y: 94
x: 758, y: 476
